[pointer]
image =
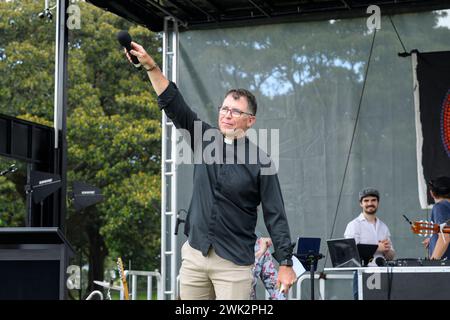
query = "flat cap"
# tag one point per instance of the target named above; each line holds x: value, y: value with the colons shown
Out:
x: 369, y: 192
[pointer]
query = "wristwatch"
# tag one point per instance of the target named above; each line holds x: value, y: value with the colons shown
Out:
x: 287, y: 262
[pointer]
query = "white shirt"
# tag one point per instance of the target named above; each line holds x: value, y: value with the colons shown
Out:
x: 368, y: 233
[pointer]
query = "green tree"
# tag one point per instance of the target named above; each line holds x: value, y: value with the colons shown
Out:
x: 113, y: 128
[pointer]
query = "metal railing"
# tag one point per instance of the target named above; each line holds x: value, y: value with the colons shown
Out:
x: 322, y: 281
x: 133, y: 274
x: 132, y: 279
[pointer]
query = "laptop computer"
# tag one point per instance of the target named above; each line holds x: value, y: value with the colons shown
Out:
x: 366, y: 252
x: 344, y: 253
x: 307, y: 246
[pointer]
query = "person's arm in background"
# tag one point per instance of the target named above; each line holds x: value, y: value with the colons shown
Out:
x: 441, y: 215
x: 441, y: 246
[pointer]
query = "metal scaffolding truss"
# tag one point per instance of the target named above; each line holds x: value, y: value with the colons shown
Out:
x: 169, y: 250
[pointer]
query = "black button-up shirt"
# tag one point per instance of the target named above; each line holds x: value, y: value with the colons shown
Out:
x: 228, y: 190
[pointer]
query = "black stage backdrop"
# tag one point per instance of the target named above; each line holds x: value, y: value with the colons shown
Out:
x: 432, y: 118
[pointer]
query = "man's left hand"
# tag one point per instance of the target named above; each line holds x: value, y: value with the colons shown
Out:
x: 384, y: 245
x: 286, y: 278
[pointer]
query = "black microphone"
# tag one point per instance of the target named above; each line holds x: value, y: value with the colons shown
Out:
x: 380, y: 261
x: 124, y: 39
x: 178, y: 224
x: 179, y: 220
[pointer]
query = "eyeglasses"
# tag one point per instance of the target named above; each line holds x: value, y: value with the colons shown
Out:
x: 235, y: 113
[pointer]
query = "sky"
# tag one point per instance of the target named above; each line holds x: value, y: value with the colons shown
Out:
x: 444, y: 21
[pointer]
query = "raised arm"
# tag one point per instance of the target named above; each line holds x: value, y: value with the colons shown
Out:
x: 158, y: 80
x: 169, y: 98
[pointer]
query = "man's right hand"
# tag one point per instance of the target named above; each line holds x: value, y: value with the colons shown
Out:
x: 426, y: 243
x: 384, y: 245
x: 286, y: 278
x: 158, y: 80
x: 144, y: 58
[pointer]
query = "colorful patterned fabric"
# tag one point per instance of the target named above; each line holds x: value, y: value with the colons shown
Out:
x: 264, y: 269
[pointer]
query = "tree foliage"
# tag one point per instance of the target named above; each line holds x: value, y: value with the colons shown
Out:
x: 113, y: 128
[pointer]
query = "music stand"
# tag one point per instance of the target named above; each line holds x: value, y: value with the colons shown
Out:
x: 366, y: 252
x: 308, y: 254
x: 40, y: 186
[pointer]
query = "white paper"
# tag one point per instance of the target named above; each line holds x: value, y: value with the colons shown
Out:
x: 298, y: 267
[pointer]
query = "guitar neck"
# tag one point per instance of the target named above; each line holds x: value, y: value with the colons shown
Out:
x: 426, y: 228
x: 125, y: 290
x: 123, y: 278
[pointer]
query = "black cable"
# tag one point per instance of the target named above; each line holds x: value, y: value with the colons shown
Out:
x: 390, y: 277
x: 353, y: 137
x: 398, y: 35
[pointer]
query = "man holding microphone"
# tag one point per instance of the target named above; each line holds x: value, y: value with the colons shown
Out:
x: 218, y: 257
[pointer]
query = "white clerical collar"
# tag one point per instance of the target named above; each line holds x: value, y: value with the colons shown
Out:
x: 228, y: 140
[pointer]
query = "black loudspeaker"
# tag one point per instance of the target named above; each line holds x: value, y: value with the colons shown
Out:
x: 85, y: 195
x: 29, y: 280
x: 33, y: 263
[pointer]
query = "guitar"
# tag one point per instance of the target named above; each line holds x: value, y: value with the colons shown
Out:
x: 427, y: 228
x: 123, y: 278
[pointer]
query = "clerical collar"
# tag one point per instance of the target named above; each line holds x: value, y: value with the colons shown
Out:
x: 228, y: 140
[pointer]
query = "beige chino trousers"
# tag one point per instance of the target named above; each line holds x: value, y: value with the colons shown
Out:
x: 212, y: 277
